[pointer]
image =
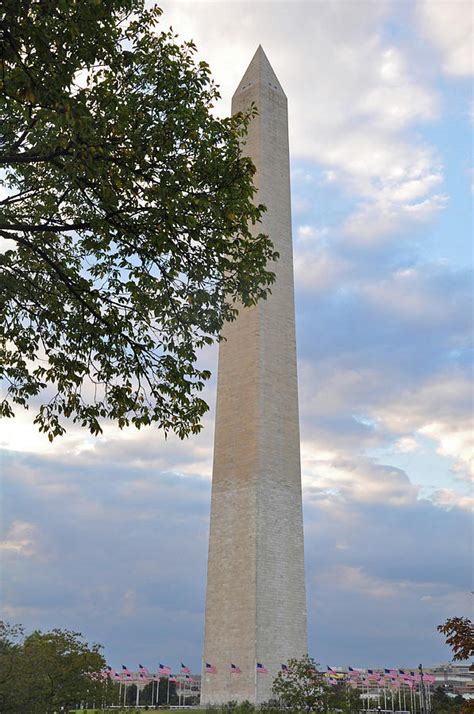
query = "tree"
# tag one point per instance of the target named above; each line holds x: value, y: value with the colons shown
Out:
x: 300, y: 686
x: 459, y: 633
x: 442, y: 703
x: 127, y: 213
x: 342, y: 697
x: 10, y: 654
x: 45, y: 671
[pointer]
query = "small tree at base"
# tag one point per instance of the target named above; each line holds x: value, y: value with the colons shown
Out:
x: 300, y: 686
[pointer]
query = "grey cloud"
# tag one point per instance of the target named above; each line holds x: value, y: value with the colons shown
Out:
x: 131, y: 573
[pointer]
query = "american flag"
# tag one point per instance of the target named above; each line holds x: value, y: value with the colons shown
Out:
x: 105, y: 673
x: 184, y: 669
x: 188, y: 677
x: 143, y: 670
x: 261, y: 668
x: 171, y: 678
x: 164, y: 669
x: 234, y: 669
x: 126, y: 672
x: 210, y: 669
x: 117, y: 676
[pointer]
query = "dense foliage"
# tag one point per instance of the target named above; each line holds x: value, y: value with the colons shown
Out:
x: 443, y: 702
x: 127, y: 214
x: 42, y: 672
x: 301, y: 686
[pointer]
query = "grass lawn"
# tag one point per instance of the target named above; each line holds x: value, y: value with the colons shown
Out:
x: 130, y: 710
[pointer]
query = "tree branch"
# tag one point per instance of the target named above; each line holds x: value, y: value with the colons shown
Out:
x: 51, y: 227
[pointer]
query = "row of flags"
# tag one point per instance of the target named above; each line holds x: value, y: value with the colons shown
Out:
x: 234, y: 669
x: 354, y: 677
x: 387, y: 676
x: 378, y: 675
x: 144, y: 674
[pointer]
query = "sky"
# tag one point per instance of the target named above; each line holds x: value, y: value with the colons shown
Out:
x: 108, y: 536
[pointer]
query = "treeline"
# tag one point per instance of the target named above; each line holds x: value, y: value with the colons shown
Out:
x: 50, y: 671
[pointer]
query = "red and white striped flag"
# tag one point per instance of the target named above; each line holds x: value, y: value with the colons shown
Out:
x: 126, y: 672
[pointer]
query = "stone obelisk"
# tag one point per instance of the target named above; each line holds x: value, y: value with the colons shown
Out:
x: 256, y: 604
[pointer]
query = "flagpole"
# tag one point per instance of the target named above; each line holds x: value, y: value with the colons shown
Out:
x: 255, y: 674
x: 168, y: 691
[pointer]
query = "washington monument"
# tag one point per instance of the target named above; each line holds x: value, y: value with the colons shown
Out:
x: 256, y: 604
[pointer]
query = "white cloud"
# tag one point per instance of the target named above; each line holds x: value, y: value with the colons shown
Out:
x: 449, y: 26
x: 406, y: 445
x: 395, y: 100
x: 20, y: 539
x: 396, y: 183
x: 353, y: 477
x: 456, y: 441
x: 440, y: 409
x: 354, y: 579
x: 448, y: 498
x: 305, y: 232
x: 406, y: 294
x: 351, y: 93
x: 317, y: 273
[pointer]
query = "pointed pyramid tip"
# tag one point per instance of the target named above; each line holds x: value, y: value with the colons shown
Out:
x: 260, y: 72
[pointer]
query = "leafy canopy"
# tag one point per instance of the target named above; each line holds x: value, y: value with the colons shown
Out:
x: 127, y: 214
x: 44, y: 671
x: 301, y: 686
